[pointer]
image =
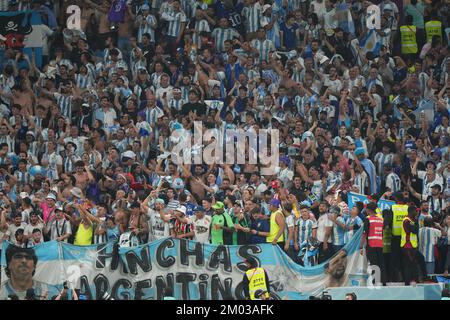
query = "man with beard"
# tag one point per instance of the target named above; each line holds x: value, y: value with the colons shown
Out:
x: 373, y: 237
x: 335, y: 269
x: 232, y: 11
x: 84, y: 118
x: 21, y: 266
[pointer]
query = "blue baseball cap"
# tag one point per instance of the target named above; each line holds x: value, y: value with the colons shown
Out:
x: 199, y: 208
x: 410, y: 145
x: 437, y: 152
x: 285, y: 159
x: 275, y: 202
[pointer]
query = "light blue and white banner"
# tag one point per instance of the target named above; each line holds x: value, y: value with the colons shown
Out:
x: 353, y: 197
x: 193, y: 270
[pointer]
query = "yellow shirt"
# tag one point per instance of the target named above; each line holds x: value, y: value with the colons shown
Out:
x: 83, y: 237
x: 274, y: 227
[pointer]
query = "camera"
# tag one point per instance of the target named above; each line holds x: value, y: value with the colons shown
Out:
x: 324, y: 296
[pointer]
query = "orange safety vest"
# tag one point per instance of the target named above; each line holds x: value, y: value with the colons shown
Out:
x: 375, y: 235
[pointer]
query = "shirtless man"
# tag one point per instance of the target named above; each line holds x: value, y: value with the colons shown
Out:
x: 125, y: 32
x: 102, y: 11
x: 82, y: 175
x: 69, y: 182
x: 24, y: 98
x: 44, y: 100
x: 87, y: 13
x: 196, y: 180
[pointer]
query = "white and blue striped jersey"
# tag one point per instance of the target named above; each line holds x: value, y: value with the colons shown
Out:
x: 138, y: 65
x: 355, y: 223
x: 330, y: 110
x: 361, y: 181
x: 107, y: 56
x: 9, y: 141
x: 273, y: 34
x: 252, y: 16
x: 147, y: 25
x: 305, y: 229
x: 91, y: 71
x: 220, y: 35
x: 156, y: 79
x: 152, y: 115
x: 83, y: 81
x: 339, y: 232
x: 264, y: 48
x: 194, y: 5
x: 436, y: 204
x: 22, y: 177
x: 33, y: 149
x: 185, y: 93
x: 176, y: 104
x: 175, y: 20
x: 252, y: 74
x: 381, y: 159
x: 156, y: 4
x: 200, y: 26
x: 121, y: 144
x: 337, y: 140
x: 64, y: 103
x: 393, y: 182
x: 428, y: 238
x: 300, y: 103
x: 422, y: 218
x: 188, y: 8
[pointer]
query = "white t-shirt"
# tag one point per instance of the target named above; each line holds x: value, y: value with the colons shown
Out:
x: 333, y: 85
x: 11, y: 232
x: 322, y: 224
x: 290, y: 222
x: 201, y: 228
x: 160, y: 93
x: 426, y: 191
x: 29, y: 230
x: 160, y: 228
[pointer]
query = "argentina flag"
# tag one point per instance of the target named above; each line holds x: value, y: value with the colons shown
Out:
x: 370, y: 43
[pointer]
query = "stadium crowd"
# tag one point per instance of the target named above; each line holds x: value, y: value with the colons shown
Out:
x: 86, y: 132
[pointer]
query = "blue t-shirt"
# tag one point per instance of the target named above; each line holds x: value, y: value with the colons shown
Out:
x: 262, y: 226
x: 233, y: 15
x: 189, y: 209
x: 289, y: 35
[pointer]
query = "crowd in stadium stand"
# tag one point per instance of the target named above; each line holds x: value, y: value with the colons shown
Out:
x: 89, y: 118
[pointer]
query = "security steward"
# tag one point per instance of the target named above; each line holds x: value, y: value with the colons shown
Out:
x: 408, y: 244
x: 399, y: 212
x: 255, y: 279
x: 373, y: 231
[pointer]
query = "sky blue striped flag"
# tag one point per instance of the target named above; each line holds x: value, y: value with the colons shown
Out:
x: 371, y: 43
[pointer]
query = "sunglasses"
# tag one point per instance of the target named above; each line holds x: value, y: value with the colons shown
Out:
x: 20, y: 256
